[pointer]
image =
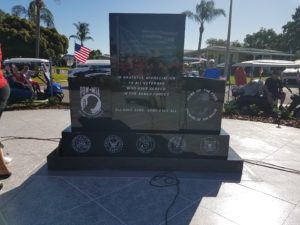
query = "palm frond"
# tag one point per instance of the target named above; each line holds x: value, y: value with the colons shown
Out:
x: 47, y: 17
x: 192, y: 16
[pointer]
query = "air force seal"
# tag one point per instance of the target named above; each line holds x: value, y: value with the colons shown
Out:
x: 176, y: 144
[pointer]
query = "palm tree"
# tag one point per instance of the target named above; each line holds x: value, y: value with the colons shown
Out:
x: 35, y: 7
x: 205, y: 12
x: 83, y: 31
x: 36, y: 12
x: 19, y: 11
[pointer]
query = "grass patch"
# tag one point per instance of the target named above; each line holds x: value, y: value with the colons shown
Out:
x: 61, y: 67
x: 60, y: 78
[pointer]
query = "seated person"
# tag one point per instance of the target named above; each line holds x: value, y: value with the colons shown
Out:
x: 212, y: 72
x: 27, y: 74
x: 19, y: 79
x: 273, y: 89
x: 253, y: 88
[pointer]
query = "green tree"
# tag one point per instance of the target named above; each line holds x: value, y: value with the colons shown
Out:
x: 215, y: 42
x: 236, y: 43
x: 263, y: 39
x: 2, y: 15
x: 291, y: 33
x: 83, y: 32
x: 205, y: 12
x: 95, y: 54
x: 17, y: 36
x: 222, y: 42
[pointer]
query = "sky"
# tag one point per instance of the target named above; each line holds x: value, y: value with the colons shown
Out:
x: 247, y: 17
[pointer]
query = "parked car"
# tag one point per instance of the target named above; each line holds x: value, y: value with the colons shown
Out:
x: 290, y: 75
x: 91, y: 68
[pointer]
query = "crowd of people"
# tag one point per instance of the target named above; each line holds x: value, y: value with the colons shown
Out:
x: 272, y: 88
x: 22, y: 78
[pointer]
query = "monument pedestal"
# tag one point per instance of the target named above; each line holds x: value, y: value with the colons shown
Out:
x: 144, y: 151
x: 146, y: 115
x: 233, y: 163
x: 144, y: 144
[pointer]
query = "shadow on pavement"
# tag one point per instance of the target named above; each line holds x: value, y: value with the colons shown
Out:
x: 108, y: 197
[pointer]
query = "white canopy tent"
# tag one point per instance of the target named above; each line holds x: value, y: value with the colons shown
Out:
x: 193, y: 59
x: 269, y: 63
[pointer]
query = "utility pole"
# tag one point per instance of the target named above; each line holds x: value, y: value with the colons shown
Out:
x: 38, y: 4
x: 227, y: 73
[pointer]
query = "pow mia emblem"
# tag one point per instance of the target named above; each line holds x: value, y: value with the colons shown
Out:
x: 202, y: 105
x: 145, y: 144
x: 90, y: 102
x: 81, y: 144
x: 113, y: 144
x: 176, y: 144
x: 210, y: 145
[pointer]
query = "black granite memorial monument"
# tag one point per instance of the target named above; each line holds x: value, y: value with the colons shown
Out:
x: 145, y: 114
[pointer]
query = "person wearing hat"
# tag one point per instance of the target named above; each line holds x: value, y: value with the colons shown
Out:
x: 212, y: 72
x: 273, y: 88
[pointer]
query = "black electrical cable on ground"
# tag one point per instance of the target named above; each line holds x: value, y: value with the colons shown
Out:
x: 8, y: 138
x: 166, y: 180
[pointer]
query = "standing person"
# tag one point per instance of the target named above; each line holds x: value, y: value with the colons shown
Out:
x: 212, y: 72
x: 273, y: 88
x: 240, y: 76
x: 4, y: 94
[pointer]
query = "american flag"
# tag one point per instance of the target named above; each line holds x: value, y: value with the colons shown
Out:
x: 81, y: 53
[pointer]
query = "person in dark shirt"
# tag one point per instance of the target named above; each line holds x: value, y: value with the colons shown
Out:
x: 273, y: 88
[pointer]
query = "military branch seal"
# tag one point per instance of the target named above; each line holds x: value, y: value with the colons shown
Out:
x: 176, y: 144
x: 201, y: 105
x: 145, y: 144
x: 81, y: 143
x: 90, y: 102
x: 113, y: 144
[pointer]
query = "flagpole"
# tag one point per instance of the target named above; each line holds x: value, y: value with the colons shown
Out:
x: 227, y: 73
